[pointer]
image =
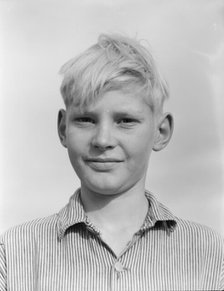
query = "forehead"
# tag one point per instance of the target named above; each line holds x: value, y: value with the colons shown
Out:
x: 116, y: 101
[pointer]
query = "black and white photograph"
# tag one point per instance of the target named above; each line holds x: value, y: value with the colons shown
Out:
x: 112, y: 145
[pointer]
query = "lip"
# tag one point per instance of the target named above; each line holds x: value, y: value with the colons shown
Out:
x: 103, y: 160
x: 103, y: 164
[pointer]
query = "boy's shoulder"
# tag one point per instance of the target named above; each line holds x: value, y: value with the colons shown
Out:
x: 47, y: 228
x: 195, y: 227
x: 199, y: 235
x: 30, y: 230
x: 182, y: 229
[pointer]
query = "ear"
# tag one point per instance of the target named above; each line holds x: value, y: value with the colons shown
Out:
x: 62, y: 126
x: 164, y: 131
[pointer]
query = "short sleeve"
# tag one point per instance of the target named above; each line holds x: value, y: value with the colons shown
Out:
x: 2, y: 268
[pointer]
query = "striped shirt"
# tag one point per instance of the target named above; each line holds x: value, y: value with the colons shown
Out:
x: 64, y: 252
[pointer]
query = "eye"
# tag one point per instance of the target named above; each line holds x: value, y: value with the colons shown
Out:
x: 127, y: 122
x: 85, y: 120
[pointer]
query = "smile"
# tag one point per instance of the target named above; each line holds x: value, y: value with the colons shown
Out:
x: 100, y: 164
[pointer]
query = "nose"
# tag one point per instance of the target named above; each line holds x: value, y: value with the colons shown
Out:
x: 103, y: 137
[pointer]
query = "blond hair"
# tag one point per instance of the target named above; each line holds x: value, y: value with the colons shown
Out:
x: 115, y: 62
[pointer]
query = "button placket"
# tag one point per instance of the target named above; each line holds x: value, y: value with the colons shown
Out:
x: 118, y: 266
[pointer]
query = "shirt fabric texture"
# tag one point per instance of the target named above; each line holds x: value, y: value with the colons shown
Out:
x: 64, y: 252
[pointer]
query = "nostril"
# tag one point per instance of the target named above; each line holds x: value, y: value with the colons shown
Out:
x: 103, y: 144
x: 101, y: 139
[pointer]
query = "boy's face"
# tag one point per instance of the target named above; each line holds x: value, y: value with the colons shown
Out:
x: 109, y: 142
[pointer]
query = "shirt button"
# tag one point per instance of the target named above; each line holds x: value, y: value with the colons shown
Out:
x: 118, y: 266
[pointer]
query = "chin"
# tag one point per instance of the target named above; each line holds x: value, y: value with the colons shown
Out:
x: 104, y: 188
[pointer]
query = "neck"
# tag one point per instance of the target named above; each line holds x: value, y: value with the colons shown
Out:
x: 119, y: 211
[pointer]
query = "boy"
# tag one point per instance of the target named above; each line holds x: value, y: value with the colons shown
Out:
x: 113, y: 234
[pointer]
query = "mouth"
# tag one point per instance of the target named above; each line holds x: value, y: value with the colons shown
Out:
x: 103, y: 164
x: 101, y: 160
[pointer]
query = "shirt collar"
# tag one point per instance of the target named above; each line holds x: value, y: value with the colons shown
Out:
x: 73, y: 213
x: 158, y: 215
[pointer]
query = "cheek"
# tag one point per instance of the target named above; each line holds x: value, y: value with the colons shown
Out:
x: 76, y: 141
x: 141, y: 145
x: 139, y: 151
x: 76, y: 147
x: 138, y: 157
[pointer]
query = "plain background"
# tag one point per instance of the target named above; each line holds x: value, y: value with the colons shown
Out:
x: 37, y: 37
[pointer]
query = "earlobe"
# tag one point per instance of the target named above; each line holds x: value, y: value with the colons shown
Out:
x: 62, y: 126
x: 164, y: 132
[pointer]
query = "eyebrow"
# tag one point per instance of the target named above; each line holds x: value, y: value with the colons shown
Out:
x: 119, y: 113
x: 128, y: 113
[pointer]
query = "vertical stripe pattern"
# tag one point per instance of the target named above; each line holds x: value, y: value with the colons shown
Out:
x: 64, y: 252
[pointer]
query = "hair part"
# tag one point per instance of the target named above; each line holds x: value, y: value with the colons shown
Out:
x: 115, y: 62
